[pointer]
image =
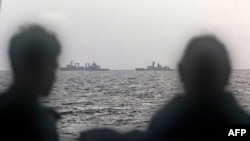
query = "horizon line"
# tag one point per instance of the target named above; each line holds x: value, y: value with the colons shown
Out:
x: 121, y: 69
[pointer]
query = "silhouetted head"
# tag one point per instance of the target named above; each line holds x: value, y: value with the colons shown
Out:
x: 101, y: 135
x: 205, y: 66
x: 33, y: 54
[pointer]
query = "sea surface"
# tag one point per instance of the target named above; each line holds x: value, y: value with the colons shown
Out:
x: 123, y: 100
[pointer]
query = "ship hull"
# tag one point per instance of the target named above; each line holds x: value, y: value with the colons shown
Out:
x: 64, y: 69
x: 142, y: 69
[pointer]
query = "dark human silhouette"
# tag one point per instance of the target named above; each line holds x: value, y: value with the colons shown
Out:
x: 206, y: 107
x: 33, y: 55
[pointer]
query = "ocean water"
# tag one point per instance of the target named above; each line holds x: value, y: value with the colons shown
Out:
x: 122, y: 100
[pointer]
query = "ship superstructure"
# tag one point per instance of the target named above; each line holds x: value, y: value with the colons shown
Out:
x: 154, y: 67
x: 77, y: 67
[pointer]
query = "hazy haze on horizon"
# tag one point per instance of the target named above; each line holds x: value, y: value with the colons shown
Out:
x: 124, y: 34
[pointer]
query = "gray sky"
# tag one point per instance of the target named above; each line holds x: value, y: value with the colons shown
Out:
x: 124, y: 34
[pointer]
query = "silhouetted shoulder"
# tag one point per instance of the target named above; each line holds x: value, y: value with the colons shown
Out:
x: 183, y: 116
x: 50, y: 119
x: 168, y: 117
x: 19, y: 119
x: 101, y: 135
x: 9, y: 98
x: 234, y: 112
x: 169, y: 109
x: 134, y: 135
x: 51, y: 113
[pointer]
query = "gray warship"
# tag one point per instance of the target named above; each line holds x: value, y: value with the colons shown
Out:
x: 77, y: 67
x: 155, y: 68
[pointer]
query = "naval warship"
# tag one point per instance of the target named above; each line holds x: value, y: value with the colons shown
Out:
x: 77, y: 67
x: 154, y: 68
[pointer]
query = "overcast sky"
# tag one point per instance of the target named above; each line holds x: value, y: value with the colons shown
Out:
x: 124, y: 34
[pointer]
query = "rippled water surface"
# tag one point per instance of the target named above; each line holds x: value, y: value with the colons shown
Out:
x: 122, y: 100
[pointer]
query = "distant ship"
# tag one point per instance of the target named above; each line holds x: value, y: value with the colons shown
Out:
x: 155, y: 68
x: 88, y: 67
